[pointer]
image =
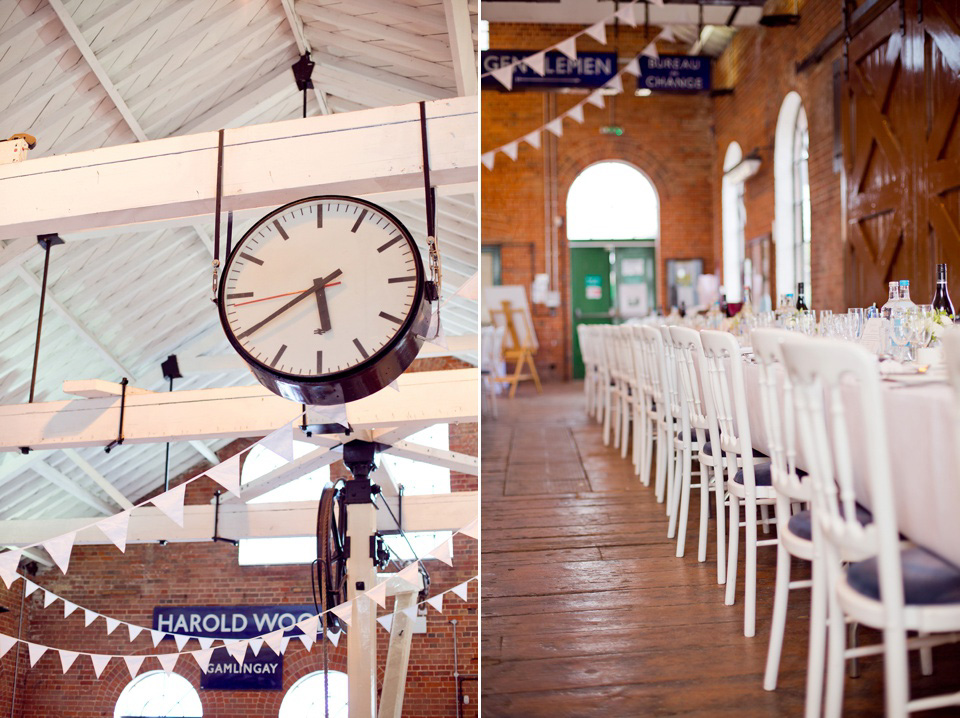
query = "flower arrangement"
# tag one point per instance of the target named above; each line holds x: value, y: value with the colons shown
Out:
x: 935, y: 325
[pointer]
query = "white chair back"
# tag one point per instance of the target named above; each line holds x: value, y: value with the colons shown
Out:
x: 656, y: 361
x: 688, y: 351
x: 725, y: 382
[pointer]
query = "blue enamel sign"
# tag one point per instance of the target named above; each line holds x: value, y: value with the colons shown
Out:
x: 589, y: 70
x: 674, y: 73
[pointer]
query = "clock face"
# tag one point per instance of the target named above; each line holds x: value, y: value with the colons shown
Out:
x: 321, y: 287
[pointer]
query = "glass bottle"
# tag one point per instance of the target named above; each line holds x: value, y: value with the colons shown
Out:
x: 801, y: 303
x: 941, y: 297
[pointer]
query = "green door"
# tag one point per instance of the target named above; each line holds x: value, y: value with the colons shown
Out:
x: 609, y: 285
x: 592, y: 298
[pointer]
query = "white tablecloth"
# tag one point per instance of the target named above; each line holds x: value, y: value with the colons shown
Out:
x: 923, y: 459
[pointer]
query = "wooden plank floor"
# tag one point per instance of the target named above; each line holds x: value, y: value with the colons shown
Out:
x: 586, y: 610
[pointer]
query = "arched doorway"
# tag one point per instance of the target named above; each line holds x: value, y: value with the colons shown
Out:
x: 613, y: 225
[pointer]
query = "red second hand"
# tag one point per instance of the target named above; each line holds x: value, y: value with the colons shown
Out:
x: 277, y: 296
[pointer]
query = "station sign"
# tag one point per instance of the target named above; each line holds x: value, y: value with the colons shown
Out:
x: 261, y: 672
x: 674, y: 73
x: 588, y: 71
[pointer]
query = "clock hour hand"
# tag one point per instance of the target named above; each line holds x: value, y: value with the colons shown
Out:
x: 322, y: 307
x: 296, y: 300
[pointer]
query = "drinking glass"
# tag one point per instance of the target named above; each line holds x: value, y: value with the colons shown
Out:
x: 807, y: 322
x: 858, y: 320
x: 901, y: 330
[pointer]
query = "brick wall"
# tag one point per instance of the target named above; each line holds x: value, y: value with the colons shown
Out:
x: 128, y: 586
x: 679, y: 142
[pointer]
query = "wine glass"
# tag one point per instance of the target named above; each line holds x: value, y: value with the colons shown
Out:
x: 857, y: 315
x: 924, y: 331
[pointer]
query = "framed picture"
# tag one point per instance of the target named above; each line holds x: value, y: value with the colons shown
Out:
x: 682, y: 275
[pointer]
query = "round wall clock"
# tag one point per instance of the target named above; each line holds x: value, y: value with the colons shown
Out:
x: 324, y: 298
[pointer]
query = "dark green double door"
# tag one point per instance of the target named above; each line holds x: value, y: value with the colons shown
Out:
x: 610, y: 284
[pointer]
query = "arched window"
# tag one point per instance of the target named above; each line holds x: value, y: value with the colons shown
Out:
x: 792, y: 197
x: 305, y: 697
x: 612, y: 201
x: 156, y: 694
x: 734, y: 220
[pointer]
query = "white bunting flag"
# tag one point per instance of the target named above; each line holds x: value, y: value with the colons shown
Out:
x: 202, y: 658
x: 171, y: 503
x: 411, y: 574
x: 255, y: 645
x: 334, y: 637
x: 576, y: 113
x: 533, y: 139
x: 598, y: 32
x: 227, y: 474
x: 569, y: 47
x: 461, y: 590
x: 168, y: 661
x: 555, y: 126
x: 237, y: 649
x: 99, y: 663
x: 48, y: 598
x: 437, y: 602
x: 472, y: 529
x: 9, y: 562
x: 510, y: 149
x: 307, y: 640
x: 651, y: 51
x: 379, y: 594
x: 280, y: 442
x: 115, y: 528
x: 487, y: 159
x: 595, y: 98
x: 112, y: 624
x: 59, y: 548
x: 157, y: 636
x: 666, y: 35
x: 134, y: 631
x: 411, y: 612
x: 393, y: 385
x: 68, y: 608
x: 30, y: 588
x: 89, y: 616
x: 67, y: 658
x: 283, y: 644
x: 273, y: 640
x: 536, y: 62
x: 309, y: 626
x: 633, y: 67
x: 627, y: 15
x: 35, y: 652
x: 470, y: 289
x: 133, y: 664
x: 444, y: 552
x: 180, y: 639
x: 6, y: 643
x: 386, y: 621
x: 504, y: 75
x: 344, y: 612
x: 205, y: 642
x: 615, y: 84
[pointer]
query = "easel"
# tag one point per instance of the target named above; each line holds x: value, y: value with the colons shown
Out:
x: 519, y: 351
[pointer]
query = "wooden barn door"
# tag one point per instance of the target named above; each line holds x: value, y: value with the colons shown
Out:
x: 902, y: 150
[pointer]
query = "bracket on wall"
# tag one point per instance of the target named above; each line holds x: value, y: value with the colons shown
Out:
x: 216, y: 522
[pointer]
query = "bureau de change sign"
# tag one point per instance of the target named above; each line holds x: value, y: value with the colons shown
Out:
x: 588, y: 70
x: 674, y: 73
x: 261, y: 672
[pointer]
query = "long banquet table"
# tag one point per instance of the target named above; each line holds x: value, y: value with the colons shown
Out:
x: 923, y: 459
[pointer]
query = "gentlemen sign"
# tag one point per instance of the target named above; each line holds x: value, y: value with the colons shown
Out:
x: 261, y: 672
x: 674, y: 73
x: 588, y: 70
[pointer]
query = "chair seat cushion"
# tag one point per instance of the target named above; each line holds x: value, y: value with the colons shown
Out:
x: 761, y: 475
x: 708, y: 450
x: 800, y: 523
x: 927, y: 578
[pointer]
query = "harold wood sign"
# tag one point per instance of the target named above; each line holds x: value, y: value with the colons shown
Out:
x: 261, y: 672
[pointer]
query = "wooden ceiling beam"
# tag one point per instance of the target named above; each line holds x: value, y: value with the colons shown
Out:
x: 460, y: 30
x: 403, y: 12
x: 415, y: 65
x: 418, y: 89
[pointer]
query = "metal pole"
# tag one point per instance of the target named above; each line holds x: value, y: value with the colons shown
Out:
x: 166, y: 460
x: 16, y: 669
x: 456, y: 663
x: 46, y: 241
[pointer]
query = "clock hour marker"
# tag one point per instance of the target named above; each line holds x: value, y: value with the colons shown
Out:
x: 395, y: 280
x: 283, y: 348
x: 389, y: 244
x: 319, y: 216
x: 391, y: 317
x: 360, y: 348
x: 359, y: 220
x: 240, y: 295
x: 251, y: 258
x: 276, y: 223
x: 319, y: 362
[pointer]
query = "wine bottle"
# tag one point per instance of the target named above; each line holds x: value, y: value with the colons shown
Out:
x: 941, y: 297
x: 801, y: 304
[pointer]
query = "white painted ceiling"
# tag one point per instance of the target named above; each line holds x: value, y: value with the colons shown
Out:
x: 83, y: 74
